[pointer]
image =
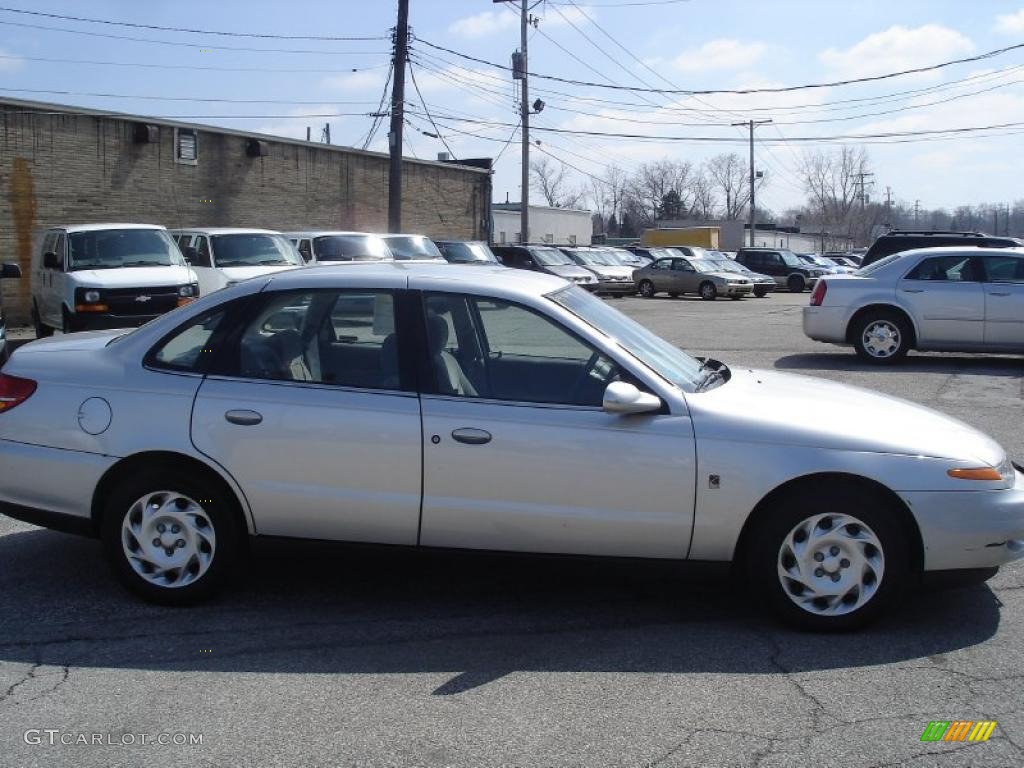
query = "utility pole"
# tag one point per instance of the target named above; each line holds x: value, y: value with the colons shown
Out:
x: 860, y: 180
x: 888, y: 207
x: 753, y: 208
x: 917, y: 210
x: 524, y: 106
x: 401, y: 54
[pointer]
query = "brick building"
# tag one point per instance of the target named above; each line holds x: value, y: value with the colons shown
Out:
x: 66, y: 165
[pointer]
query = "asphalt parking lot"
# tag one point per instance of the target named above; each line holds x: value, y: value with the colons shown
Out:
x: 392, y: 658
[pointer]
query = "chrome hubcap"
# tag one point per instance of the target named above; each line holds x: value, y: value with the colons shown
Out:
x: 168, y: 539
x: 881, y: 338
x: 831, y: 564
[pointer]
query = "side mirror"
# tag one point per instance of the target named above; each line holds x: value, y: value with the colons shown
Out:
x: 51, y: 261
x: 624, y: 398
x: 10, y: 269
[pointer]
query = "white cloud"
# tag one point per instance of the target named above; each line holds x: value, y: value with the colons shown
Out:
x: 897, y: 48
x: 483, y: 24
x: 10, y: 62
x: 1010, y: 23
x: 721, y: 54
x: 365, y: 80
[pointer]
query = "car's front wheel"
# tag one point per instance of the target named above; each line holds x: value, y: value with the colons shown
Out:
x: 881, y: 337
x: 170, y: 538
x: 708, y: 292
x: 42, y: 331
x: 760, y: 292
x: 796, y: 283
x: 828, y: 561
x: 646, y: 289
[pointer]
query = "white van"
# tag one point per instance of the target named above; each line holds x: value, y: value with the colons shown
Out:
x: 222, y: 256
x: 95, y: 276
x: 325, y: 246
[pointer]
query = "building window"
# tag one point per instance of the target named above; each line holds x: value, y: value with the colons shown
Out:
x: 519, y: 237
x: 549, y: 239
x: 572, y: 239
x: 501, y: 238
x: 186, y: 146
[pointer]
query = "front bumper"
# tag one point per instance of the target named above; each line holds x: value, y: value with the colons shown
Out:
x: 970, y: 529
x: 619, y: 289
x: 736, y: 290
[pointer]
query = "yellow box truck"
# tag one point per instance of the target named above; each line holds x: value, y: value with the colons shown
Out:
x: 705, y: 237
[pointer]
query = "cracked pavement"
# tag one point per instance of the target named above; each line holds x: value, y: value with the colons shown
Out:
x: 334, y: 656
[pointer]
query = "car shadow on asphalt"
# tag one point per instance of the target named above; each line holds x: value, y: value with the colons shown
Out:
x: 981, y: 365
x: 466, y: 619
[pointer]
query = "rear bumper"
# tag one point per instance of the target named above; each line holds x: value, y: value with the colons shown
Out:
x: 825, y: 324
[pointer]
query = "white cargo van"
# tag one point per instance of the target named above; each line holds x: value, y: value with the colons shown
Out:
x: 94, y: 276
x: 222, y: 256
x: 329, y: 246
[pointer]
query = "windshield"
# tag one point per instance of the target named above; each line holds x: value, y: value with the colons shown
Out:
x: 725, y: 264
x: 254, y: 250
x: 115, y: 248
x: 595, y: 258
x: 667, y: 360
x: 790, y: 259
x: 704, y: 265
x: 469, y: 252
x: 612, y: 258
x: 624, y: 257
x: 350, y: 248
x: 551, y: 257
x: 412, y: 247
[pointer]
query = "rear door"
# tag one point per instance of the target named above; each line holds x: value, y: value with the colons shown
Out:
x: 520, y: 456
x: 660, y: 273
x: 308, y: 411
x: 945, y: 296
x: 1004, y: 300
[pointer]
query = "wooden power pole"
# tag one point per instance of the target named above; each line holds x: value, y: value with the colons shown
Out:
x: 401, y: 54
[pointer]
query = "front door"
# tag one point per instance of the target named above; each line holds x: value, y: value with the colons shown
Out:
x: 1004, y: 300
x: 946, y: 298
x: 308, y: 412
x: 519, y: 455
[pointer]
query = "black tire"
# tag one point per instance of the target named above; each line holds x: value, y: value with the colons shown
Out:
x: 646, y: 289
x: 796, y: 283
x: 765, y: 554
x: 735, y: 298
x: 760, y: 292
x: 42, y: 331
x: 707, y: 291
x: 219, y: 512
x: 65, y: 325
x: 883, y: 322
x: 673, y: 294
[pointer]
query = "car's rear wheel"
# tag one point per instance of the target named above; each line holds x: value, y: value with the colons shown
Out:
x: 42, y: 331
x: 827, y: 561
x: 796, y: 283
x: 646, y: 289
x: 882, y: 337
x: 707, y: 290
x: 170, y: 538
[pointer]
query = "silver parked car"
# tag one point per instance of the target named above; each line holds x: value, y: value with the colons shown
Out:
x: 941, y: 299
x: 677, y: 275
x: 483, y: 408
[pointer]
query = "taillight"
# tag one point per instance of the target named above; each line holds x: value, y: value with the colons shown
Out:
x: 14, y: 391
x: 819, y: 293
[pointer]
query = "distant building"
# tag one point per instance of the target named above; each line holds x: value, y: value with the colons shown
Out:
x: 557, y: 226
x: 734, y: 235
x: 69, y: 165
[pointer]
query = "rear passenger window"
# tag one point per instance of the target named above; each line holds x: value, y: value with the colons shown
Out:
x: 346, y: 338
x: 1004, y: 269
x: 189, y: 348
x: 954, y: 268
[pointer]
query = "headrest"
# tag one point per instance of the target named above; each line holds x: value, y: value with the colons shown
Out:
x: 437, y: 333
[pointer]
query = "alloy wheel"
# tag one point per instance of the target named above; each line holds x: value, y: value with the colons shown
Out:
x: 831, y: 564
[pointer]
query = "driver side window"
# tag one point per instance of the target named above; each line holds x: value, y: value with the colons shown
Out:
x: 492, y: 349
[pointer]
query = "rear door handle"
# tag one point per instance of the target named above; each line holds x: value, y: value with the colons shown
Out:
x: 913, y: 290
x: 471, y: 436
x: 244, y: 418
x: 999, y: 293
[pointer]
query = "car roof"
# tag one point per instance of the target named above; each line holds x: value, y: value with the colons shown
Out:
x: 437, y: 275
x: 97, y: 227
x: 226, y: 230
x: 327, y: 232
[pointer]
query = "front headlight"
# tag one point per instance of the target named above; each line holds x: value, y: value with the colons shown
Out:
x: 91, y: 297
x: 189, y: 291
x: 1003, y: 472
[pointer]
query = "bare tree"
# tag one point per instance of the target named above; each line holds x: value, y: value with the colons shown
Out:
x: 704, y: 204
x: 652, y: 182
x: 728, y: 175
x: 835, y: 183
x: 554, y: 184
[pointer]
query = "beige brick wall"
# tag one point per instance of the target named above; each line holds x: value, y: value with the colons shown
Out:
x: 80, y: 168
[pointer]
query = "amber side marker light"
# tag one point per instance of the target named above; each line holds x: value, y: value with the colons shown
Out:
x: 982, y: 473
x: 91, y: 308
x: 184, y: 301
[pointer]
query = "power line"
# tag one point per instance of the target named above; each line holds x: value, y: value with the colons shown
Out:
x: 149, y: 97
x: 412, y: 73
x: 221, y: 33
x: 380, y: 114
x: 149, y: 65
x: 743, y: 91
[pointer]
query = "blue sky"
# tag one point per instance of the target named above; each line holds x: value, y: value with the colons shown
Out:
x: 697, y: 44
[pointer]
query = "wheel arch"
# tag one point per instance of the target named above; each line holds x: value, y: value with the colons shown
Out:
x: 832, y: 481
x: 173, y: 461
x: 880, y: 306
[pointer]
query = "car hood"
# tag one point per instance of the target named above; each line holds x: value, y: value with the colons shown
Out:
x: 607, y: 271
x: 728, y: 276
x: 133, y: 277
x: 234, y: 274
x: 788, y: 409
x: 567, y: 270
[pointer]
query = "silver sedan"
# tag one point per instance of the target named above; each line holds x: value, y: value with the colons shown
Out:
x: 488, y: 409
x: 677, y: 276
x: 941, y: 299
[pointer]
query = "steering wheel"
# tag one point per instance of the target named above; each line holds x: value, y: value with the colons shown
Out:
x: 581, y: 379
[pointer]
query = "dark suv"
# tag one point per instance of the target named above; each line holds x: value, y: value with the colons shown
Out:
x: 897, y: 241
x: 782, y: 265
x: 545, y: 258
x: 6, y: 270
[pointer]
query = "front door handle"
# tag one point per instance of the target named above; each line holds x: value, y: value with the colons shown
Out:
x: 471, y: 436
x: 913, y: 290
x: 244, y: 418
x: 999, y: 293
